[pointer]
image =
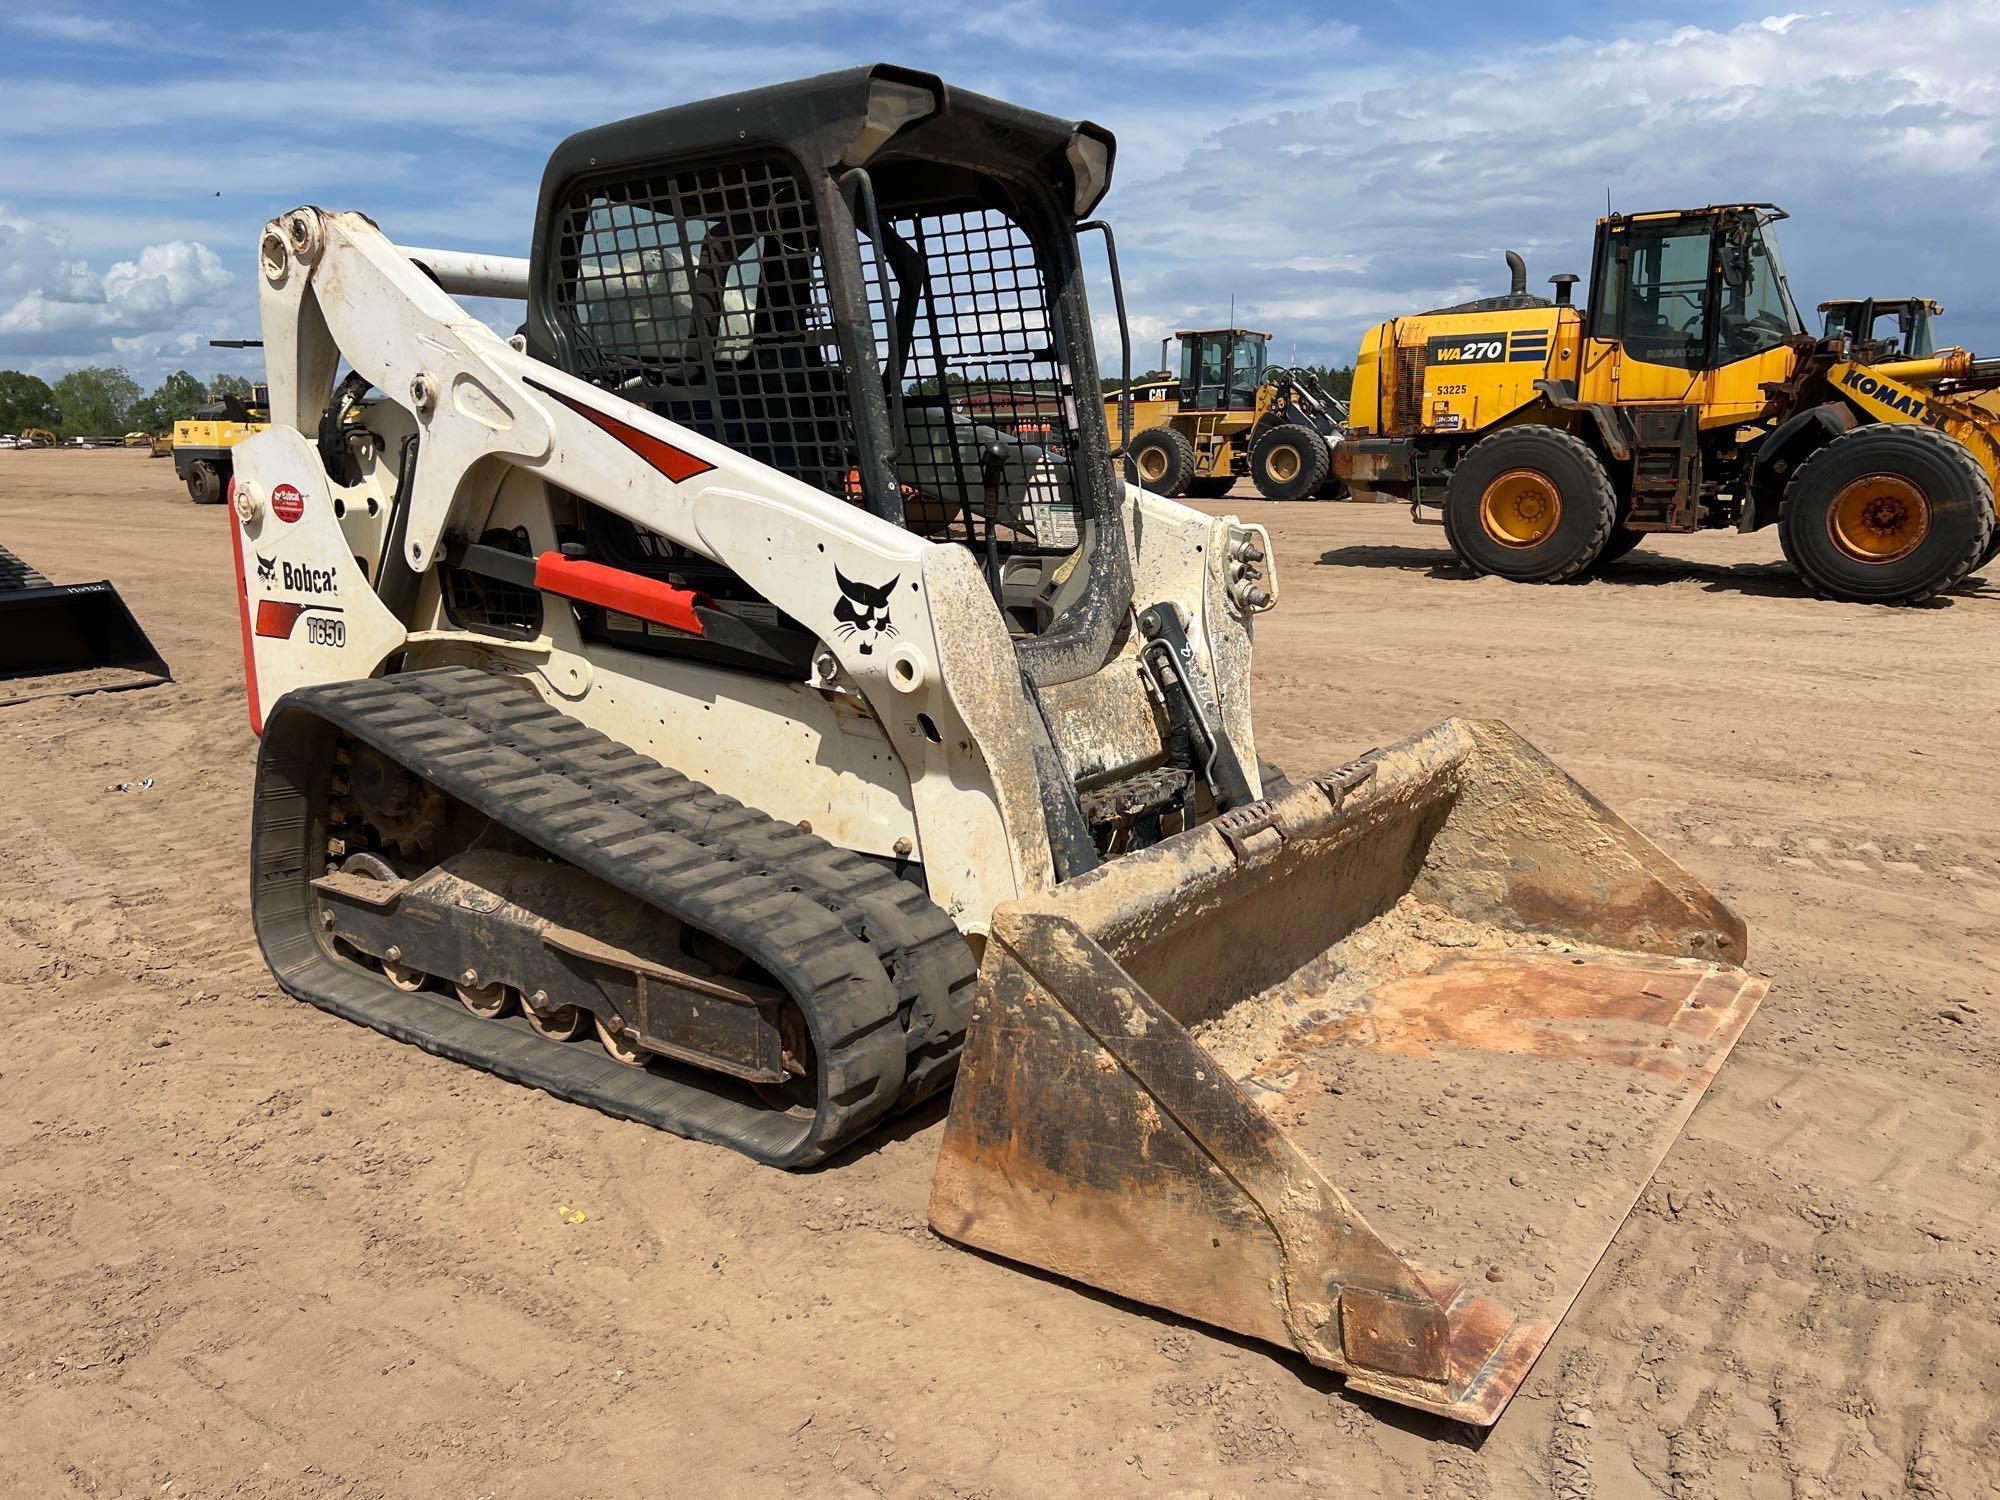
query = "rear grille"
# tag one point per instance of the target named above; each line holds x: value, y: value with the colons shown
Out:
x: 477, y: 601
x: 1406, y: 415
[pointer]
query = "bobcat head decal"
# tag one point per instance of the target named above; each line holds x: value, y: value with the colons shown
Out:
x: 267, y: 567
x: 863, y: 611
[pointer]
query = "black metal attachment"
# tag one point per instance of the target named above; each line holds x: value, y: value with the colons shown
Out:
x: 1170, y: 665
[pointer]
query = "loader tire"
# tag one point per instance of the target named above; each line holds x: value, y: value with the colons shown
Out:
x: 1621, y: 541
x: 1289, y: 462
x: 1164, y: 460
x: 1992, y: 549
x: 1887, y: 514
x: 204, y: 483
x: 1530, y: 504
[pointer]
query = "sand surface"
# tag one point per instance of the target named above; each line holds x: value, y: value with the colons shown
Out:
x: 247, y: 1249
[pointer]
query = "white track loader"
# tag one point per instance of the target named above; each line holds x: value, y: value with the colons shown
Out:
x: 748, y: 691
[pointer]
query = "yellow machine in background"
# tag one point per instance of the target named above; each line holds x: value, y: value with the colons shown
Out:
x: 1690, y: 395
x: 1231, y: 413
x: 37, y: 437
x: 202, y: 444
x: 1860, y: 319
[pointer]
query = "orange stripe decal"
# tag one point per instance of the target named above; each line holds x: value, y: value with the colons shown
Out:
x: 669, y: 460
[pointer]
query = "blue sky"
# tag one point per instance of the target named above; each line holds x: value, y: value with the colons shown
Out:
x: 1325, y: 165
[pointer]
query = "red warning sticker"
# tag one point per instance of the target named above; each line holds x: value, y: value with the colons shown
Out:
x: 287, y: 504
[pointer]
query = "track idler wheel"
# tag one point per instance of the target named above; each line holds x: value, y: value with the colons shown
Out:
x: 487, y: 1001
x: 560, y: 1023
x: 401, y: 975
x: 629, y: 1053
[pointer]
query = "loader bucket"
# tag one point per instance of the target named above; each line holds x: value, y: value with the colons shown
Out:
x: 67, y: 638
x: 1374, y: 1069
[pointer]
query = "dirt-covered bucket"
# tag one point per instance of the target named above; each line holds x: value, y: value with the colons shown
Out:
x: 1374, y: 1069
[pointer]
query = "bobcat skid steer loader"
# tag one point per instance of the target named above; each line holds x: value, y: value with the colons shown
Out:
x: 749, y: 687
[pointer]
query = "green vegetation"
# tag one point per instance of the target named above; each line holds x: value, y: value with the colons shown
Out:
x: 25, y: 401
x: 105, y: 401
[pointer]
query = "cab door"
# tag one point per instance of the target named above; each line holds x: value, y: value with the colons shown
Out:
x: 1649, y: 313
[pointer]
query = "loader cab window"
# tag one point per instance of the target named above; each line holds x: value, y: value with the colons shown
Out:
x: 1756, y: 310
x: 700, y: 294
x: 1652, y: 292
x: 1902, y: 328
x: 1221, y: 371
x: 1205, y: 371
x: 1246, y: 370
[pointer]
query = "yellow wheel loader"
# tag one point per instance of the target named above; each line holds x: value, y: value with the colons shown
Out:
x: 1230, y: 414
x: 1549, y: 438
x: 691, y: 708
x: 203, y: 446
x: 1859, y: 320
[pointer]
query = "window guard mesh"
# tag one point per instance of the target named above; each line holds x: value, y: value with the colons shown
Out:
x: 701, y: 293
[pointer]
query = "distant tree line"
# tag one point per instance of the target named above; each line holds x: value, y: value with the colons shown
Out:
x: 103, y: 400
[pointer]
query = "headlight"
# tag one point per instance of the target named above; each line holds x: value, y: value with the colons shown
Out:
x: 891, y: 106
x: 1089, y: 155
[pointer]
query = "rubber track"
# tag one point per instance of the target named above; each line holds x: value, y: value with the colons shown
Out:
x: 883, y: 976
x: 918, y: 945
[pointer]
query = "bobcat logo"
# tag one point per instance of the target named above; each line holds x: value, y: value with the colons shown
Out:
x: 267, y: 568
x: 863, y: 611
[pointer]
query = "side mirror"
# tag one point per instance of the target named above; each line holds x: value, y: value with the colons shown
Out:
x: 1735, y: 262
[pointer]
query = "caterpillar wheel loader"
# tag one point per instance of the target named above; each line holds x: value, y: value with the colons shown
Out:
x: 674, y: 708
x: 1550, y: 438
x: 1230, y: 414
x: 63, y: 639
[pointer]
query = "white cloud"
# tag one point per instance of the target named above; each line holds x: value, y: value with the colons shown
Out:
x: 61, y: 303
x: 1878, y: 129
x: 1325, y: 175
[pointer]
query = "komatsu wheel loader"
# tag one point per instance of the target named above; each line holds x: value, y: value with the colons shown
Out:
x: 1689, y: 395
x: 689, y: 708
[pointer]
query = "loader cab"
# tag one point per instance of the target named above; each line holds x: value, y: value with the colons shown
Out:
x: 1221, y: 368
x: 1690, y: 306
x: 870, y: 282
x: 1899, y: 327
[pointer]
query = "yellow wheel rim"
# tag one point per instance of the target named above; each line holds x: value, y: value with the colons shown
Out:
x: 1879, y: 518
x: 1152, y: 464
x: 1283, y: 464
x: 1521, y: 508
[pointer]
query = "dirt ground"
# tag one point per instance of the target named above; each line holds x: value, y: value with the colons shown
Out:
x: 247, y: 1249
